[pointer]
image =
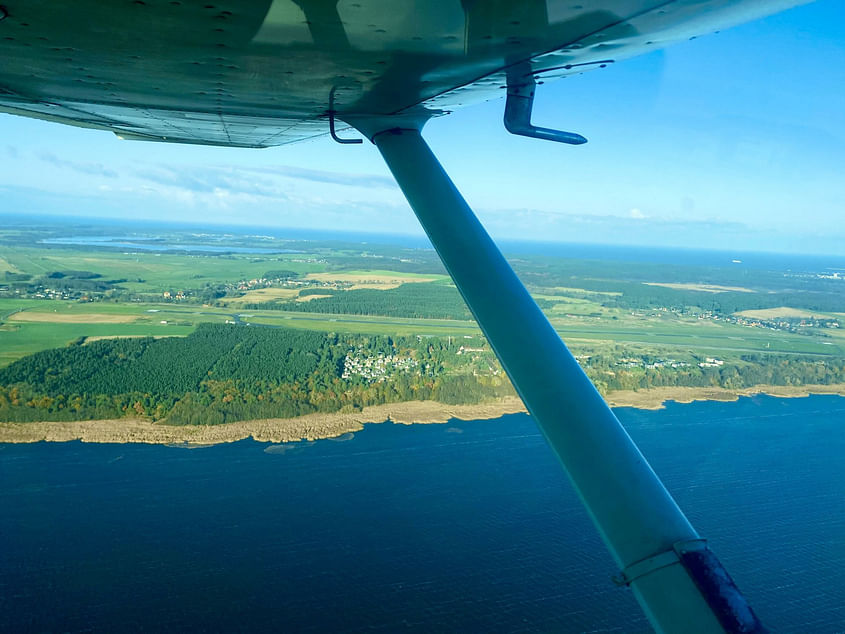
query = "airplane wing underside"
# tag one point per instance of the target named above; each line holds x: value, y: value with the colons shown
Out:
x: 260, y: 73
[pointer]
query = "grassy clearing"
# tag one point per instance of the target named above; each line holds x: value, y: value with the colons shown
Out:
x: 19, y: 340
x: 6, y: 266
x: 45, y: 323
x: 405, y: 277
x: 698, y: 336
x: 124, y: 312
x: 582, y: 309
x: 570, y: 289
x: 308, y: 298
x: 262, y: 295
x: 782, y: 311
x: 382, y: 280
x: 71, y: 318
x: 578, y: 321
x: 9, y: 306
x: 562, y: 299
x: 365, y: 324
x: 704, y: 288
x: 689, y: 335
x: 335, y: 324
x: 159, y: 272
x: 102, y: 337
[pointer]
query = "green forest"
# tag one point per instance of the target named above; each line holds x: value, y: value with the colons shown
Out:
x: 634, y: 323
x: 431, y: 301
x: 224, y: 373
x: 415, y: 300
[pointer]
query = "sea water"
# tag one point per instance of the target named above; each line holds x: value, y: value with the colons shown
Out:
x: 467, y: 526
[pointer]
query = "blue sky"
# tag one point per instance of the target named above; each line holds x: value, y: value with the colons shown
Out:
x: 734, y: 140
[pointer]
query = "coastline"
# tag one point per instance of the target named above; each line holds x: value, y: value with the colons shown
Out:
x: 275, y: 430
x: 317, y: 426
x: 656, y: 398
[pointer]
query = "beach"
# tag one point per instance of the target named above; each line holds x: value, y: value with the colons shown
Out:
x: 331, y: 425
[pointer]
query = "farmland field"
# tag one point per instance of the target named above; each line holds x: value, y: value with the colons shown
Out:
x: 631, y: 323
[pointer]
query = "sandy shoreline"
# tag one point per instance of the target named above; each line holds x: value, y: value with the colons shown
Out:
x: 656, y: 398
x: 308, y: 427
x: 316, y: 426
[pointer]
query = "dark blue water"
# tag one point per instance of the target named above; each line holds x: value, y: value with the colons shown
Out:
x: 124, y: 243
x: 469, y: 526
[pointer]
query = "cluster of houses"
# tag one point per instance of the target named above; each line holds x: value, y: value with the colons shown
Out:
x: 258, y: 282
x: 634, y: 362
x: 375, y: 368
x: 711, y: 362
x: 629, y: 362
x: 467, y: 349
x: 43, y: 292
x: 790, y: 324
x: 52, y: 293
x: 278, y: 282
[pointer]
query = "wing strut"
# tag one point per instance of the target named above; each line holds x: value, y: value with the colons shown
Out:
x: 678, y: 581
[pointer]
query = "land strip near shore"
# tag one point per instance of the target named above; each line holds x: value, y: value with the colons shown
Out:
x: 276, y: 430
x: 656, y: 398
x: 317, y: 426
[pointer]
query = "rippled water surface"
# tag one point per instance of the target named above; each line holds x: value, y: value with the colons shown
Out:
x: 469, y: 526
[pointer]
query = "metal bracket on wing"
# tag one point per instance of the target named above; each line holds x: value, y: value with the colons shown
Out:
x: 518, y: 108
x: 332, y: 112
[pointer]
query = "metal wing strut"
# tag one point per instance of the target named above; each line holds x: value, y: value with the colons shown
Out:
x: 678, y: 581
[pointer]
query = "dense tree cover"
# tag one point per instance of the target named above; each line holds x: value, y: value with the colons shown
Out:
x: 80, y: 275
x: 562, y: 271
x: 385, y: 257
x: 636, y: 295
x: 427, y: 300
x: 774, y: 288
x: 280, y: 274
x: 223, y: 373
x: 430, y: 300
x: 608, y: 374
x: 69, y: 283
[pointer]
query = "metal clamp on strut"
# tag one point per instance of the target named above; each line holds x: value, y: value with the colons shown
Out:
x: 518, y: 108
x: 661, y: 560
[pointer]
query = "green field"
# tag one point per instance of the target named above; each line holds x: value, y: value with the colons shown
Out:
x: 160, y: 272
x: 337, y: 326
x: 19, y: 340
x: 588, y: 302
